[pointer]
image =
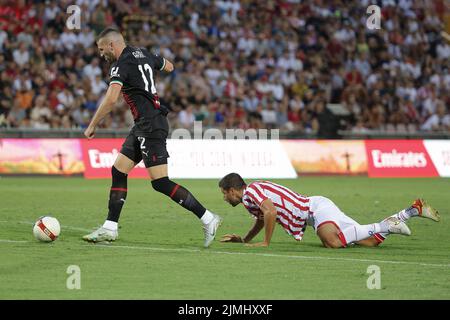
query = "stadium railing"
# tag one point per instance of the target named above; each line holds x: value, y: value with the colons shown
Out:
x: 108, y: 133
x: 393, y: 135
x: 122, y: 133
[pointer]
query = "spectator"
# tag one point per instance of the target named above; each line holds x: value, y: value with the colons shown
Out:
x: 251, y: 101
x: 92, y: 70
x: 440, y: 121
x: 269, y: 116
x: 98, y: 86
x: 237, y: 62
x: 186, y: 117
x: 21, y: 55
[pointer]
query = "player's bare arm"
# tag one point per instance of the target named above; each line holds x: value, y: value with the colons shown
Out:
x: 253, y: 232
x: 111, y: 97
x: 270, y: 217
x: 168, y: 66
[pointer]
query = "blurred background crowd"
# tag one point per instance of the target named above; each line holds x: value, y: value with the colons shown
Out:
x: 238, y: 63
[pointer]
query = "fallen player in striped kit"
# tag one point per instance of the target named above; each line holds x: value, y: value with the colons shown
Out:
x: 269, y: 202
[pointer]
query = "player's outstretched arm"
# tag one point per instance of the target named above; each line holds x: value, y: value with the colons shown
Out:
x: 270, y: 217
x: 112, y: 94
x: 256, y: 228
x: 168, y: 66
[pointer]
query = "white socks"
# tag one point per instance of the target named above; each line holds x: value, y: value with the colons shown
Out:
x: 403, y: 216
x: 113, y: 226
x: 406, y: 214
x: 207, y: 217
x: 361, y: 232
x: 110, y: 225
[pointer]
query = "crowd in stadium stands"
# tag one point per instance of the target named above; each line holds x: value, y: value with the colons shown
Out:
x: 238, y: 63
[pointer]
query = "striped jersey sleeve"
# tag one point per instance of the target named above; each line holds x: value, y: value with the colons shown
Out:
x: 256, y: 193
x: 252, y: 198
x: 292, y: 208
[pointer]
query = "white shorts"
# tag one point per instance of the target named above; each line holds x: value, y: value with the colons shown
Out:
x: 325, y: 211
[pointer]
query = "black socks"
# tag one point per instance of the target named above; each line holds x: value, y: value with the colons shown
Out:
x: 179, y: 194
x: 117, y: 195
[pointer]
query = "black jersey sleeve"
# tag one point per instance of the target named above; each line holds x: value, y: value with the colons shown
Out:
x: 158, y: 62
x: 118, y: 73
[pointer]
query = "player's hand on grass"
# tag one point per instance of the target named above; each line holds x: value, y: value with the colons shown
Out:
x: 257, y: 244
x: 231, y: 238
x: 89, y: 132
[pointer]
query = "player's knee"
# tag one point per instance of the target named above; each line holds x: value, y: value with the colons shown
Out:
x: 163, y: 185
x: 119, y: 179
x: 332, y: 243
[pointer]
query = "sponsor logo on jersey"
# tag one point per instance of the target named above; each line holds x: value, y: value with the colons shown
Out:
x: 115, y: 72
x: 138, y: 54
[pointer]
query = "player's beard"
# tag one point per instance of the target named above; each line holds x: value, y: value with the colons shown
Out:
x: 109, y: 57
x: 234, y: 203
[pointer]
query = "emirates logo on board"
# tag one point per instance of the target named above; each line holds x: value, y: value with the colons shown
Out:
x: 395, y: 159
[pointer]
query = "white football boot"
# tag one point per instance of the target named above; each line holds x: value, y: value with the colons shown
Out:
x: 101, y: 235
x: 425, y: 210
x: 397, y: 226
x: 210, y: 230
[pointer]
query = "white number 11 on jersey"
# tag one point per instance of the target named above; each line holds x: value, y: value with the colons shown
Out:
x: 150, y: 71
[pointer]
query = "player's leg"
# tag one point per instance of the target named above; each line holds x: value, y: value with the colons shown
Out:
x: 332, y: 237
x: 329, y: 234
x: 357, y: 233
x: 336, y: 230
x: 119, y: 189
x: 329, y: 221
x: 369, y: 242
x: 155, y: 156
x: 127, y: 159
x: 419, y: 208
x: 179, y: 194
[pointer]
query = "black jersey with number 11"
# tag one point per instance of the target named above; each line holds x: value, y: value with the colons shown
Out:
x: 134, y: 70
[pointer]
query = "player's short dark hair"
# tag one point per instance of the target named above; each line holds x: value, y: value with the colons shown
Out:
x: 232, y: 180
x: 106, y: 32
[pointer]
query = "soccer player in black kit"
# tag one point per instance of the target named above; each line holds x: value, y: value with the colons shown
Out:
x: 132, y: 74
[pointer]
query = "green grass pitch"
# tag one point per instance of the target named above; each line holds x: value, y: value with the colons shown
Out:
x: 159, y: 253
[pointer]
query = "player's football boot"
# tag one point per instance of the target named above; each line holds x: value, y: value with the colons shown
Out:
x: 101, y: 235
x: 210, y: 230
x: 425, y: 210
x: 395, y: 225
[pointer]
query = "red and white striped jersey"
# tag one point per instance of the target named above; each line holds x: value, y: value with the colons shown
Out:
x: 292, y: 208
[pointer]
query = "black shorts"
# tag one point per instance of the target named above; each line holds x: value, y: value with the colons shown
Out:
x: 147, y: 141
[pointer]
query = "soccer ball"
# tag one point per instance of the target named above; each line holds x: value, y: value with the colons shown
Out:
x: 46, y: 229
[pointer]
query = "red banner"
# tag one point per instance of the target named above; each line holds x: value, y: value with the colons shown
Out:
x: 99, y: 156
x: 399, y: 158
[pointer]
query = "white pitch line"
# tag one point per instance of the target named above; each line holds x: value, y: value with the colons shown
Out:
x: 273, y: 255
x: 62, y: 226
x: 243, y: 253
x: 76, y: 228
x: 13, y: 241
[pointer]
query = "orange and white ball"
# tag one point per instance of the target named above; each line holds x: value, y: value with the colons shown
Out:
x: 46, y: 229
